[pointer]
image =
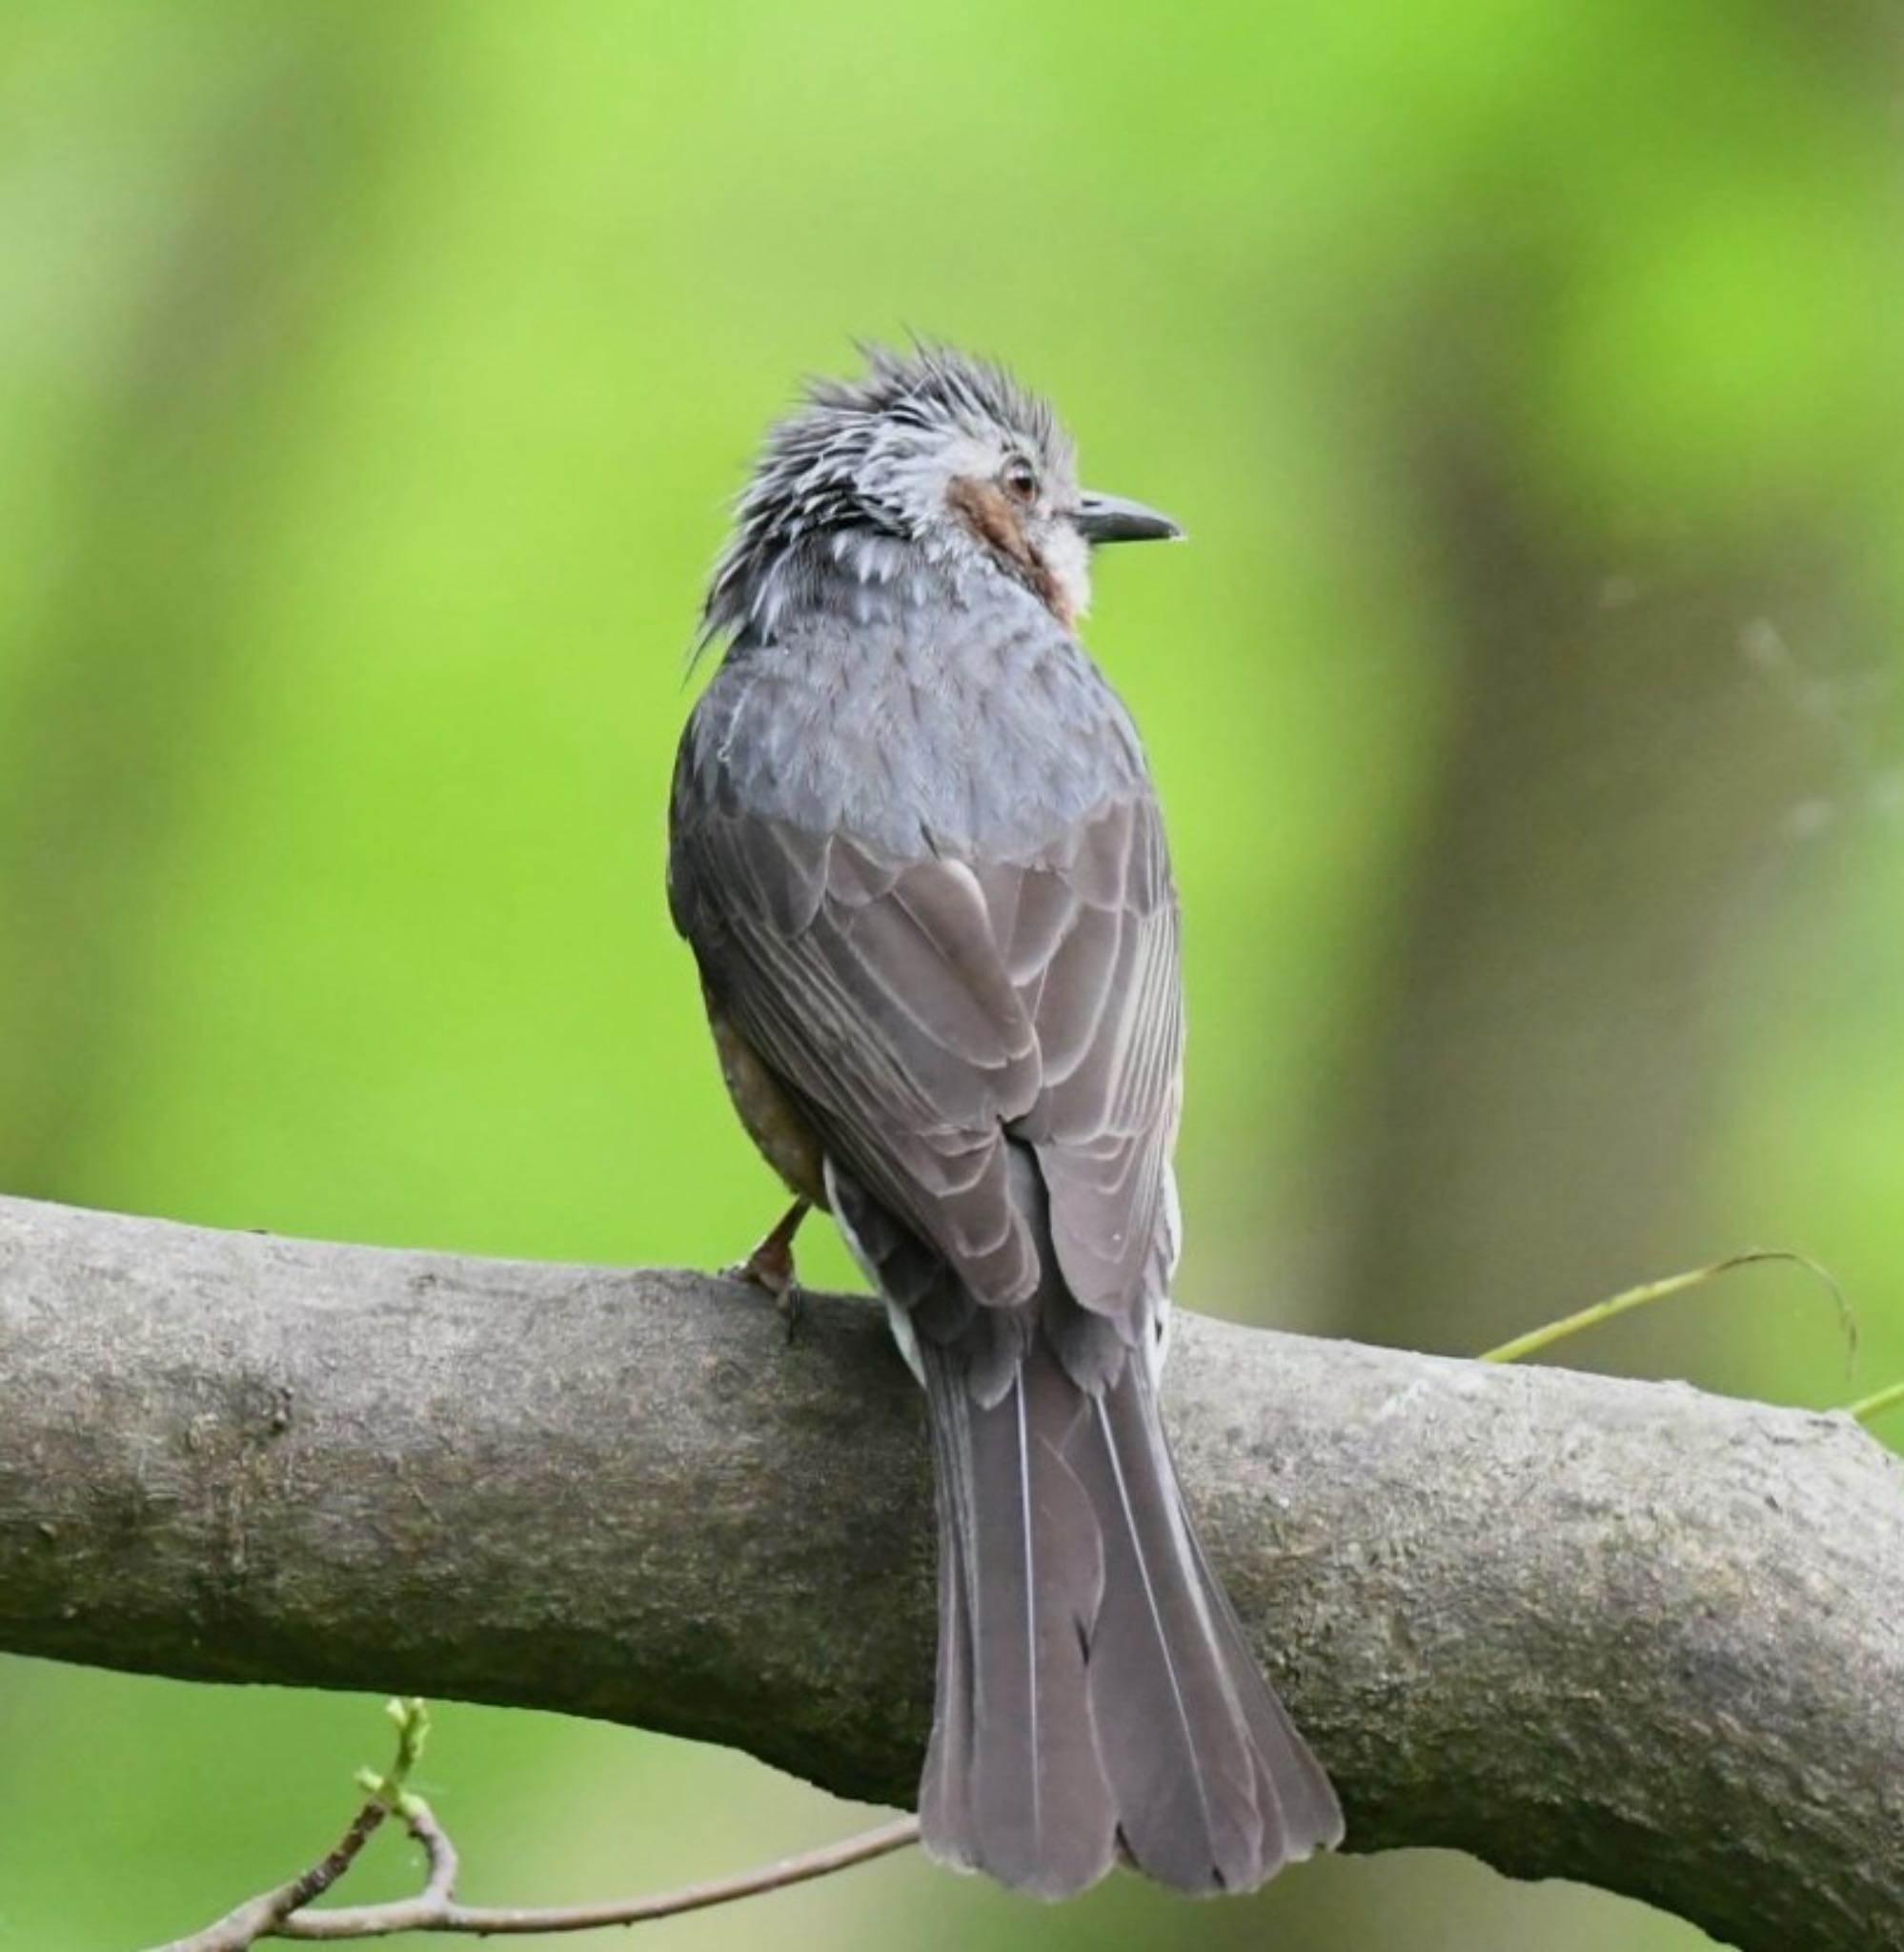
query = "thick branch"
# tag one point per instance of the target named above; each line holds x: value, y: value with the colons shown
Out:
x: 1618, y: 1632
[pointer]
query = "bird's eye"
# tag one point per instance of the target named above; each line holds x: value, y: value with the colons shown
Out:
x: 1020, y: 480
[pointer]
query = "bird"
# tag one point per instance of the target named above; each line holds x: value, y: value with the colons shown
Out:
x: 916, y: 850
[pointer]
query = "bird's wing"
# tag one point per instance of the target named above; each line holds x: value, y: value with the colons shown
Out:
x: 1101, y: 978
x: 927, y: 1013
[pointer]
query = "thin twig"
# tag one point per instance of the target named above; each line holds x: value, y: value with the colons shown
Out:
x: 260, y: 1917
x: 434, y: 1910
x: 263, y: 1916
x: 284, y: 1914
x: 421, y: 1822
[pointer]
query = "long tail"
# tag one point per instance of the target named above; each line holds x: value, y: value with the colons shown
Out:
x: 1095, y: 1692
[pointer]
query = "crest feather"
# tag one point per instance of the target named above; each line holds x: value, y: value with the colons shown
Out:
x: 810, y: 480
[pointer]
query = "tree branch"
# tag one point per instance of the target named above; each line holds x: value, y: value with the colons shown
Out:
x: 1618, y: 1632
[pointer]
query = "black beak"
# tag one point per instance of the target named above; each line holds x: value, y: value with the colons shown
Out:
x: 1110, y: 518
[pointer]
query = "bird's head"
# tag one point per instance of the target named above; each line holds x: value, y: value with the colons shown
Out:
x: 931, y: 462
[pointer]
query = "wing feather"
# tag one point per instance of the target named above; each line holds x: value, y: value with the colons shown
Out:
x: 929, y: 1013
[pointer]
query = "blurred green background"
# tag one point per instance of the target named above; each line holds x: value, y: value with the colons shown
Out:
x: 372, y: 381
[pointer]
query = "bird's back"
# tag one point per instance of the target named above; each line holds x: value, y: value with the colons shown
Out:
x: 968, y: 727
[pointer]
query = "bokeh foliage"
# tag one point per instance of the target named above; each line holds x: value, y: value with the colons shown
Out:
x: 370, y: 384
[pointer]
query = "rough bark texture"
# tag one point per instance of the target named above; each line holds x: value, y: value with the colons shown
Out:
x: 1618, y: 1632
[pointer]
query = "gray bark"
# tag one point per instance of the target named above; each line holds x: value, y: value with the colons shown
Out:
x: 1624, y: 1633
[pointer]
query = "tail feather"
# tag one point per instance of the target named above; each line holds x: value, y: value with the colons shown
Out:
x: 943, y: 1789
x: 1189, y: 1811
x: 1095, y: 1692
x: 1018, y: 1788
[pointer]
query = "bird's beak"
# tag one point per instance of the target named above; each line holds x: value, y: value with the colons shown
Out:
x: 1110, y: 518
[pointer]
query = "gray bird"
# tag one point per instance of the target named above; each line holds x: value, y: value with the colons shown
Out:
x: 917, y: 855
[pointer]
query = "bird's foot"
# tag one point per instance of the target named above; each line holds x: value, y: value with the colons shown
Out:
x: 770, y: 1268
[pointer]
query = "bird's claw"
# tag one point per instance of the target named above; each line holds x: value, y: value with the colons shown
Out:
x: 770, y: 1268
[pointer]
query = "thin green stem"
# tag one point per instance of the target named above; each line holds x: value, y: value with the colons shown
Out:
x: 1545, y: 1337
x: 1866, y: 1408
